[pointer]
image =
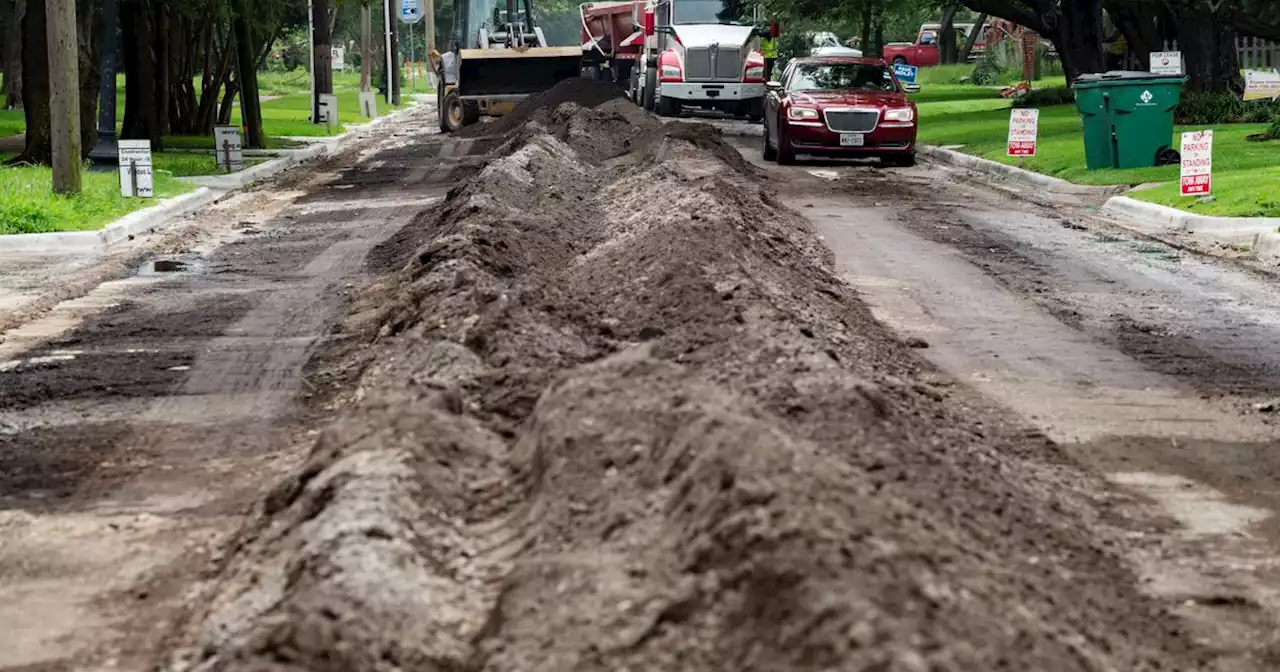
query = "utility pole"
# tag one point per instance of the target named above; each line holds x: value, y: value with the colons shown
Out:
x: 105, y: 154
x: 386, y: 21
x: 431, y: 26
x: 64, y: 95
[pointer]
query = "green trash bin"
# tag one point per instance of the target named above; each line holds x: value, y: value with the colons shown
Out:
x: 1128, y: 117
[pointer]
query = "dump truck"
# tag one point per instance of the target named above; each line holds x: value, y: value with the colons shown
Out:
x: 670, y: 55
x: 497, y: 56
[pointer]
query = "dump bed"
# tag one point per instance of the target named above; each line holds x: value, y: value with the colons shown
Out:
x: 606, y: 26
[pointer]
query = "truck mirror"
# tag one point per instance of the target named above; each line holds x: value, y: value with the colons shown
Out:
x: 649, y: 24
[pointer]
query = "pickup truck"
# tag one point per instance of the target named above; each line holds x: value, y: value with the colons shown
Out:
x: 924, y: 51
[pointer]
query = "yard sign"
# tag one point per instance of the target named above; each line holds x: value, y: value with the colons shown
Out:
x: 1023, y: 127
x: 1197, y: 163
x: 1166, y: 62
x: 905, y: 73
x: 136, y: 180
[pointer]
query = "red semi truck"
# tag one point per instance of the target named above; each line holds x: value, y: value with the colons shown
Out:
x: 675, y: 54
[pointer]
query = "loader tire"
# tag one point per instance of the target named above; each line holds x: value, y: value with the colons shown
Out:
x: 452, y: 115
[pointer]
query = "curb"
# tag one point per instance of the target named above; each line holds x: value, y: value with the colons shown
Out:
x: 170, y: 211
x: 1012, y: 173
x: 1234, y: 230
x: 1266, y: 246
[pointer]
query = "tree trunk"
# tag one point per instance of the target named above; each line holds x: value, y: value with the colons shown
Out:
x: 1207, y: 41
x: 397, y: 69
x: 247, y: 76
x: 12, y: 64
x: 164, y: 60
x: 64, y: 95
x: 947, y: 49
x: 1139, y: 23
x: 973, y: 39
x: 228, y: 100
x: 141, y: 79
x: 35, y: 86
x: 321, y: 54
x: 89, y: 19
x: 366, y: 54
x: 866, y: 30
x: 1076, y: 30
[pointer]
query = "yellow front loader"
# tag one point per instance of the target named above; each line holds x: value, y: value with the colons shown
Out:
x: 496, y: 59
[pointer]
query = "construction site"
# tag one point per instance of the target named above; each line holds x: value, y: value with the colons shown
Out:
x: 581, y: 389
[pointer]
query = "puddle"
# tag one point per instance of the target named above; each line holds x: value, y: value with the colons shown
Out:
x: 171, y: 266
x: 1203, y: 511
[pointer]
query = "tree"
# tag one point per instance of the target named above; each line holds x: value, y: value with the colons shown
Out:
x: 321, y: 54
x: 64, y: 95
x: 12, y: 54
x: 247, y: 78
x: 1074, y: 27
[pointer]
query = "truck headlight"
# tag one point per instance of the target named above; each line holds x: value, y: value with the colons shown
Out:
x: 901, y: 114
x: 755, y: 72
x: 670, y: 72
x: 802, y: 114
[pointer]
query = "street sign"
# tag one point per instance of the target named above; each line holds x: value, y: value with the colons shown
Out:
x: 339, y: 57
x: 136, y: 180
x: 368, y: 104
x: 1166, y: 63
x: 228, y: 148
x: 1261, y: 85
x: 1024, y: 125
x: 329, y: 111
x: 905, y: 73
x: 1197, y: 163
x: 409, y: 11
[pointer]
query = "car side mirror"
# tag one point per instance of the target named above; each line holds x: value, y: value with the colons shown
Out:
x: 773, y: 86
x: 911, y: 88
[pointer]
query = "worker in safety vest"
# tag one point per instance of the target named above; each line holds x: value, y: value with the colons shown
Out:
x: 769, y: 47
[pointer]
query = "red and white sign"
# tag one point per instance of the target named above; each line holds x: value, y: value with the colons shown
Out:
x: 1024, y: 124
x: 1197, y: 163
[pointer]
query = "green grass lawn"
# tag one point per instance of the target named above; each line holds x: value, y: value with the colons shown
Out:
x: 1246, y: 174
x: 28, y: 205
x: 186, y: 164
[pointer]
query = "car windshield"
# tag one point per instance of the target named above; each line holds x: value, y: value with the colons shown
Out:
x: 841, y: 77
x: 708, y: 11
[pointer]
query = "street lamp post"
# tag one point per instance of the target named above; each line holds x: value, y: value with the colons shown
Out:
x: 103, y: 155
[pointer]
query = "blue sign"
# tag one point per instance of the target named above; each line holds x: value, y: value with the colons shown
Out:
x: 905, y: 73
x: 409, y: 11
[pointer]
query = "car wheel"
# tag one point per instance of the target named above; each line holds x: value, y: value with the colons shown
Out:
x: 899, y: 60
x: 900, y: 160
x: 785, y: 157
x: 770, y: 154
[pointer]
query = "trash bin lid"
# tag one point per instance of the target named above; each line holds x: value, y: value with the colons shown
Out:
x: 1124, y: 78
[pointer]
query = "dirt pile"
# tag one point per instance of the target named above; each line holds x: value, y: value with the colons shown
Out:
x: 622, y: 415
x: 584, y: 92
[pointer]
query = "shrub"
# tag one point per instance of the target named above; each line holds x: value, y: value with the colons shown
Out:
x: 987, y: 71
x: 1223, y: 107
x: 1058, y: 95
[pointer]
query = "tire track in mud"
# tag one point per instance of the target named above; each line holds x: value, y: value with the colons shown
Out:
x: 123, y: 465
x: 628, y: 418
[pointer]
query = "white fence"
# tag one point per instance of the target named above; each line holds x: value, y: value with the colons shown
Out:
x: 1255, y: 53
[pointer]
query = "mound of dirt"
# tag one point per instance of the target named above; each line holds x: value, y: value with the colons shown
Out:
x: 630, y: 419
x: 580, y: 91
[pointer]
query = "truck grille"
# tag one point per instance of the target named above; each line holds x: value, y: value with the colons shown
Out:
x: 852, y: 121
x: 701, y: 63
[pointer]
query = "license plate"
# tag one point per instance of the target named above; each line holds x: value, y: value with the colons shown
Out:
x: 852, y: 139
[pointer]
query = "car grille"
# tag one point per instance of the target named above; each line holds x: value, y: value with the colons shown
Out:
x: 726, y: 65
x: 852, y: 121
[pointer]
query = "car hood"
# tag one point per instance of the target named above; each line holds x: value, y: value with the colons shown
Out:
x: 705, y: 35
x: 849, y: 98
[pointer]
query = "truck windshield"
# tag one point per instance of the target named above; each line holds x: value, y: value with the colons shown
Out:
x: 708, y: 11
x: 841, y: 77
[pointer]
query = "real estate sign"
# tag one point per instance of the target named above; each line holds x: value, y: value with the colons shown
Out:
x: 227, y: 147
x: 1166, y: 63
x: 1197, y: 163
x: 1024, y: 125
x: 1261, y: 85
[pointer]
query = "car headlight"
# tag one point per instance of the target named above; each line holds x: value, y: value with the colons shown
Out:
x: 671, y: 71
x: 899, y: 114
x: 755, y: 72
x: 802, y: 114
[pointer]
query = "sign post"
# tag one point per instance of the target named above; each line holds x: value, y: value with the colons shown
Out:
x: 1024, y: 125
x: 410, y: 16
x: 228, y: 148
x: 1166, y: 63
x: 136, y: 180
x: 339, y: 57
x: 1197, y: 163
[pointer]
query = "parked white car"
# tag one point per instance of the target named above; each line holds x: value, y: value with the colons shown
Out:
x: 827, y: 44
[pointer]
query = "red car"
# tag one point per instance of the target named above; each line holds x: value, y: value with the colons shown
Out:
x: 839, y: 106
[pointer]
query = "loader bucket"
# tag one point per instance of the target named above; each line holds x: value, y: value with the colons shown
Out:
x: 511, y: 74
